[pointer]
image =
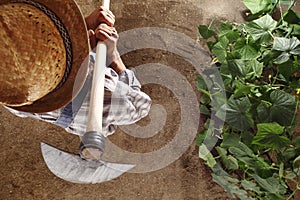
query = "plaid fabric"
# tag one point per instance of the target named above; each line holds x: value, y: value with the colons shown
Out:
x: 124, y: 103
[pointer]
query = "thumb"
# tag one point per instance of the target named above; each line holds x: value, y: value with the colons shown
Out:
x: 93, y: 40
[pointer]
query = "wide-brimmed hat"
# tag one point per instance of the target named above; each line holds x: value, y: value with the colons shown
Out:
x: 43, y: 51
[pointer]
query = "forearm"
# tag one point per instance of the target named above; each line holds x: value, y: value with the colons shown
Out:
x: 116, y: 62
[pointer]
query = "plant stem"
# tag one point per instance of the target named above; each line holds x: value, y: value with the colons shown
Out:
x: 294, y: 192
x: 267, y: 150
x: 269, y: 157
x: 271, y: 34
x: 293, y: 3
x: 274, y: 7
x: 296, y: 108
x: 274, y: 79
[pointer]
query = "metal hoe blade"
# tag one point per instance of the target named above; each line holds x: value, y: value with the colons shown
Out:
x: 73, y: 168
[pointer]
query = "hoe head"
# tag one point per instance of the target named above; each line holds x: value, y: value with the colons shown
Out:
x: 75, y: 169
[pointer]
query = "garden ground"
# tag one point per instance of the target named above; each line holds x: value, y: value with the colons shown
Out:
x: 23, y: 173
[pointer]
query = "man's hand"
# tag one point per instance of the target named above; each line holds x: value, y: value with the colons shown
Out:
x: 100, y: 25
x: 106, y: 34
x: 109, y: 36
x: 99, y: 16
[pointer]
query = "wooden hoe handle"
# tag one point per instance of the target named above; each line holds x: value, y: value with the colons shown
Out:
x: 92, y: 145
x: 97, y: 92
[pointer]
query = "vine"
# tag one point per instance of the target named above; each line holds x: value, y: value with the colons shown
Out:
x: 258, y: 151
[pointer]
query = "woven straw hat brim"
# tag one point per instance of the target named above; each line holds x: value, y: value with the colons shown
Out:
x: 71, y: 79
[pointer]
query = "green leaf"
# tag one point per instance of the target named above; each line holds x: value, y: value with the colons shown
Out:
x: 230, y: 140
x: 210, y: 44
x: 242, y: 89
x: 282, y: 58
x: 261, y: 167
x: 290, y: 174
x: 297, y: 171
x: 261, y: 29
x: 263, y: 111
x: 205, y: 98
x: 247, y: 137
x: 226, y: 74
x: 233, y: 55
x: 231, y: 35
x: 220, y: 49
x: 229, y: 162
x: 241, y: 150
x: 270, y: 185
x: 268, y: 135
x: 296, y: 30
x: 222, y: 152
x: 244, y: 154
x: 249, y: 185
x: 272, y: 196
x: 269, y: 128
x: 296, y: 162
x: 204, y: 110
x: 283, y: 107
x: 230, y: 187
x: 238, y: 113
x: 205, y: 154
x: 206, y: 137
x: 256, y: 6
x: 286, y: 2
x: 247, y: 48
x: 287, y: 154
x: 201, y: 85
x: 268, y: 56
x: 294, y: 84
x: 225, y: 26
x: 218, y: 170
x: 281, y: 170
x: 249, y: 69
x: 288, y: 68
x: 218, y: 100
x: 205, y: 32
x: 200, y: 138
x: 286, y: 45
x: 291, y: 17
x: 296, y: 142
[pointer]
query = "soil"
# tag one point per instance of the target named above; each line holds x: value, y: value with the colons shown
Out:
x: 23, y: 172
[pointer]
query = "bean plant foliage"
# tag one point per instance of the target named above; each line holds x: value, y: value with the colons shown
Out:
x: 250, y: 141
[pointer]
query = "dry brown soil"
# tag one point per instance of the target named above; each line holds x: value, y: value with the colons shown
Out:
x: 24, y: 174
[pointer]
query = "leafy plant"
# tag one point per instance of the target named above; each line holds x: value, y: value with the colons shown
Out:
x: 258, y: 153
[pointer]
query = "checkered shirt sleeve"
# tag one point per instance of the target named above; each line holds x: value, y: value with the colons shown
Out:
x: 124, y: 103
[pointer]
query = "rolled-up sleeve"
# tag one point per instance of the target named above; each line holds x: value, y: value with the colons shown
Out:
x: 124, y: 103
x: 128, y: 103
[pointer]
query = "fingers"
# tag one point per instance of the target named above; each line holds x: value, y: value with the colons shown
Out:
x: 102, y: 8
x: 92, y: 38
x: 107, y: 15
x: 99, y: 16
x: 109, y: 36
x: 105, y: 32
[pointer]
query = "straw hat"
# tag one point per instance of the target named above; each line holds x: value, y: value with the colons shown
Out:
x: 43, y: 51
